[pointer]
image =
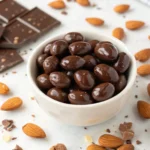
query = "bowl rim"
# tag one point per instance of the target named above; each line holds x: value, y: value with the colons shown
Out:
x: 115, y: 98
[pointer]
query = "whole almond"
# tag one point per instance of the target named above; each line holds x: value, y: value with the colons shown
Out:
x: 110, y: 141
x: 83, y: 2
x: 144, y: 70
x: 33, y: 130
x: 143, y: 55
x: 126, y: 147
x: 11, y: 104
x: 95, y: 21
x: 144, y: 109
x: 95, y: 147
x: 133, y: 24
x: 148, y: 89
x: 121, y: 8
x: 4, y: 89
x: 58, y: 4
x: 118, y: 33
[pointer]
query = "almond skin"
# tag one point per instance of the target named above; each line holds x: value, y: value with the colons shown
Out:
x: 144, y: 70
x: 4, y: 89
x: 143, y: 55
x: 110, y: 141
x: 118, y: 33
x: 58, y: 4
x: 148, y: 89
x: 95, y: 147
x: 83, y: 2
x: 133, y: 24
x: 11, y: 104
x: 33, y: 130
x: 95, y: 21
x: 126, y: 147
x: 144, y: 109
x: 121, y: 8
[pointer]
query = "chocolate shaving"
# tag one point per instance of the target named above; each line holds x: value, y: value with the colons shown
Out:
x: 138, y: 142
x: 17, y: 148
x: 108, y: 130
x: 14, y: 138
x: 64, y: 13
x: 8, y: 125
x: 58, y: 147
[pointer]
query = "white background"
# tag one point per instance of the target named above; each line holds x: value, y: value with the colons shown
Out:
x: 73, y: 137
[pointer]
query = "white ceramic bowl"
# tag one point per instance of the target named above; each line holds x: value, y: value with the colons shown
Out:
x: 82, y: 115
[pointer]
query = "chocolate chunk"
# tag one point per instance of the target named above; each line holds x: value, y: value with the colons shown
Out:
x: 9, y: 58
x: 138, y: 142
x: 10, y: 9
x: 59, y: 146
x: 17, y: 148
x: 125, y: 126
x: 40, y: 20
x: 127, y: 135
x: 8, y: 125
x: 1, y: 30
x: 18, y: 33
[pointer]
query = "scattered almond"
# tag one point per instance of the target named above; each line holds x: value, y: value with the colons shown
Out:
x: 95, y: 21
x: 144, y: 70
x: 58, y: 147
x: 33, y: 130
x: 95, y: 147
x: 143, y: 55
x: 118, y: 33
x: 148, y: 89
x: 110, y: 141
x: 149, y: 37
x: 57, y: 4
x: 126, y: 147
x: 11, y: 104
x: 133, y: 24
x: 3, y: 88
x: 121, y: 8
x: 83, y: 2
x: 144, y: 109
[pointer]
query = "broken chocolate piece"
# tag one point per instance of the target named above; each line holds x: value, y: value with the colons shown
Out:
x: 1, y: 30
x: 10, y: 9
x: 127, y: 135
x: 8, y: 59
x: 17, y: 148
x: 125, y: 126
x: 39, y: 19
x: 8, y: 125
x: 18, y: 33
x: 5, y: 44
x: 138, y: 142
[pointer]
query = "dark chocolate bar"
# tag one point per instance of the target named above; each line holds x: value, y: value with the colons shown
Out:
x: 1, y: 30
x: 10, y: 9
x: 8, y: 59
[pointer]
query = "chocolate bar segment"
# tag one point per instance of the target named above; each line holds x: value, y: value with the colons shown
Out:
x: 18, y: 33
x: 10, y: 9
x: 1, y: 30
x: 40, y: 20
x: 8, y: 59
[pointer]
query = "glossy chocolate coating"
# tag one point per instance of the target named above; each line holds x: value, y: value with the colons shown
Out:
x: 59, y: 79
x: 50, y: 64
x: 93, y: 43
x: 43, y: 81
x: 121, y: 84
x: 41, y: 59
x: 80, y: 48
x: 57, y: 94
x: 103, y: 91
x: 73, y: 37
x: 72, y: 62
x: 122, y: 63
x: 47, y: 48
x: 90, y: 62
x: 106, y: 51
x: 84, y: 79
x: 106, y: 73
x: 59, y: 47
x: 79, y: 98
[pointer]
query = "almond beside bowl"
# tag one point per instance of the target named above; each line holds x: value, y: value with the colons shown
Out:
x: 82, y: 115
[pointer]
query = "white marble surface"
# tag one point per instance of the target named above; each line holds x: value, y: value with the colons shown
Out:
x: 73, y: 137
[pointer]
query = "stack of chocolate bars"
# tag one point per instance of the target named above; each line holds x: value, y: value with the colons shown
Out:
x: 18, y: 26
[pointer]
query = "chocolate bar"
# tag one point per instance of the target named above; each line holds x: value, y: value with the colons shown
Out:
x: 1, y: 30
x: 10, y: 9
x: 8, y: 59
x: 28, y: 27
